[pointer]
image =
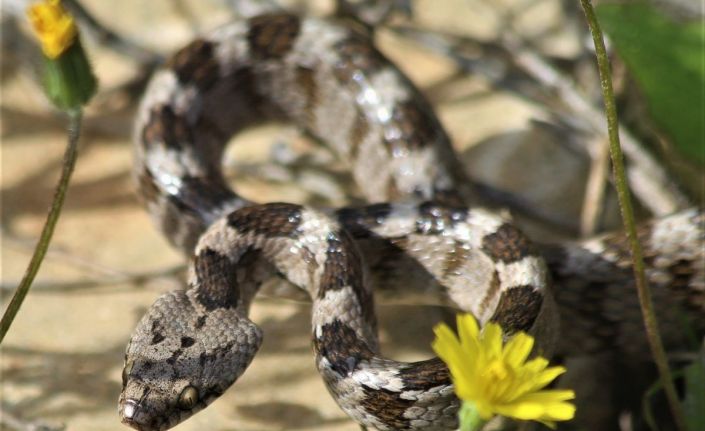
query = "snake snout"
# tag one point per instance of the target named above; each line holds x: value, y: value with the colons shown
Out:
x: 142, y: 413
x: 133, y: 416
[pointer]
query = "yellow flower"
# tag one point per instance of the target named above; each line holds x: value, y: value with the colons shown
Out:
x: 497, y: 378
x: 54, y: 27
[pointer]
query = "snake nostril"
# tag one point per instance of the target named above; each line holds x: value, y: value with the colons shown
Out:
x: 129, y: 409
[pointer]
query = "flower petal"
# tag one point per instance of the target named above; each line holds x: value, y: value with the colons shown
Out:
x: 54, y: 27
x: 545, y: 377
x: 468, y: 332
x: 467, y: 328
x: 491, y: 340
x: 523, y: 411
x: 560, y: 411
x: 518, y: 348
x: 536, y: 365
x: 447, y: 346
x: 548, y: 396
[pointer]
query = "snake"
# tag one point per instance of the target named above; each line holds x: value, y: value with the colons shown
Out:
x: 423, y: 234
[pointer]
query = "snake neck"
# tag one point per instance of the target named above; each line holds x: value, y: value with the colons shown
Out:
x: 312, y: 251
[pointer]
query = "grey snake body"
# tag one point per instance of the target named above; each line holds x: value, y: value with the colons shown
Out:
x: 193, y: 344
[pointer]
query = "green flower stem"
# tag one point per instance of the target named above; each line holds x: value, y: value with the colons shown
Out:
x: 469, y: 417
x: 625, y: 205
x: 48, y: 230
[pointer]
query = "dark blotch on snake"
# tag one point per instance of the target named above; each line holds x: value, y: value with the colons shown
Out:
x: 195, y: 64
x: 187, y: 342
x: 343, y: 348
x: 357, y: 54
x: 157, y: 330
x: 275, y: 219
x: 216, y: 281
x: 157, y: 338
x: 387, y: 406
x: 166, y: 126
x: 205, y: 191
x: 342, y: 268
x: 425, y: 375
x: 272, y: 35
x: 414, y: 120
x: 306, y: 78
x: 508, y: 244
x: 180, y: 208
x: 518, y: 308
x: 359, y: 222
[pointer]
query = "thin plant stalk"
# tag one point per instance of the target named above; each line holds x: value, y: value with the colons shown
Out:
x: 627, y: 212
x: 48, y: 229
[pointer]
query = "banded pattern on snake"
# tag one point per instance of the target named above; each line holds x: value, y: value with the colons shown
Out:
x: 193, y: 344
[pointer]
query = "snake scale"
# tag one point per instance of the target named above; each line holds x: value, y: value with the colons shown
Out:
x: 422, y: 235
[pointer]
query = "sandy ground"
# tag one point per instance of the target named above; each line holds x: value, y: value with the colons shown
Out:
x: 62, y: 359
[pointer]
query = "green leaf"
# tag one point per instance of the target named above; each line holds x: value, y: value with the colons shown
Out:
x: 667, y: 60
x: 694, y: 402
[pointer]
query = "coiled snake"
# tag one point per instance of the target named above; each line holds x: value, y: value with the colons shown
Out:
x: 193, y: 344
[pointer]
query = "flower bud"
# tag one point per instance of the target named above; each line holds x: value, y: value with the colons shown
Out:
x: 67, y: 75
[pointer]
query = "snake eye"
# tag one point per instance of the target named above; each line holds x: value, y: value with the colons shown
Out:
x: 188, y: 398
x: 126, y: 370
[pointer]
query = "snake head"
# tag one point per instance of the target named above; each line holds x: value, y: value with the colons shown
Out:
x: 180, y: 358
